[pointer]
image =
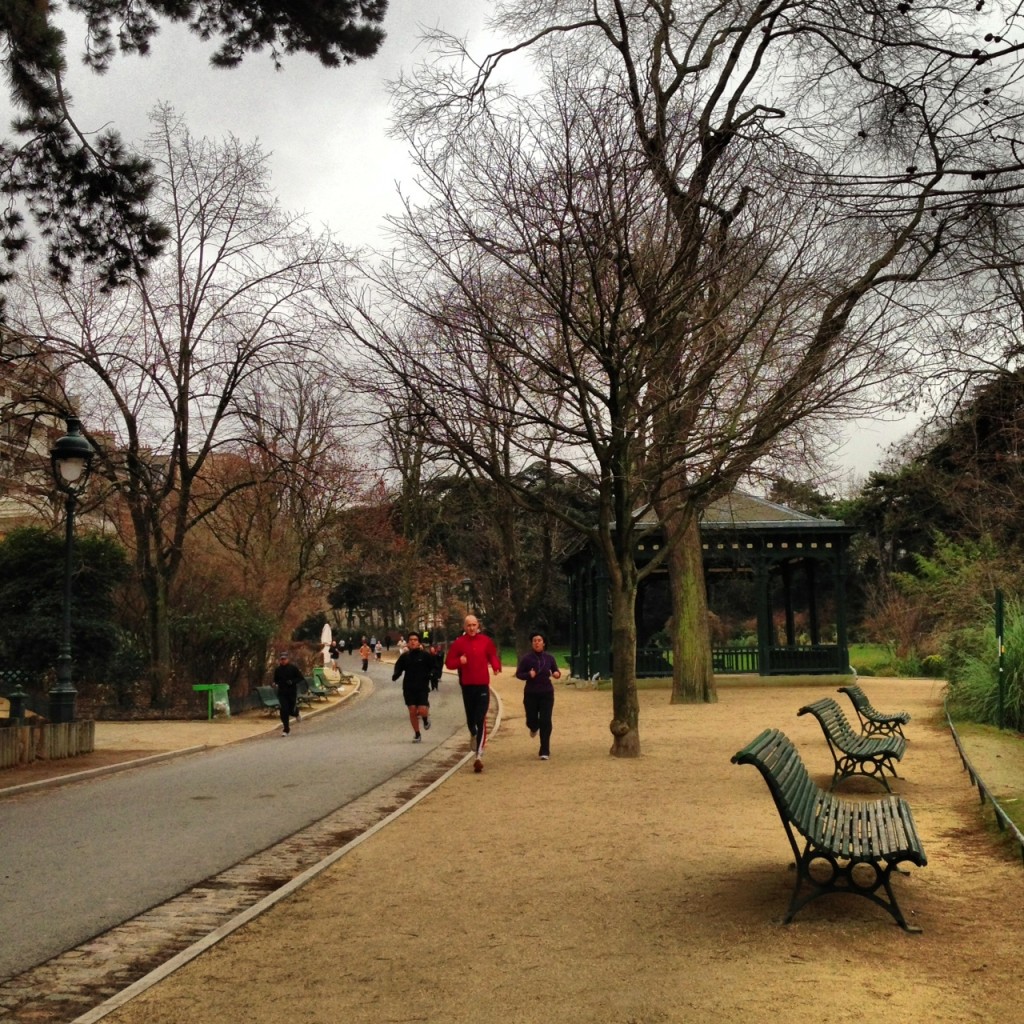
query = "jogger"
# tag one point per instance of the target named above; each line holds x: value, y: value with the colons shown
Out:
x: 417, y: 666
x: 537, y: 669
x: 473, y: 654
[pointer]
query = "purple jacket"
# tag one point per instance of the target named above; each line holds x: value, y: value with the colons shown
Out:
x: 544, y: 664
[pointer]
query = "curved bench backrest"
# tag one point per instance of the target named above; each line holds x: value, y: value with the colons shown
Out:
x: 774, y: 755
x: 833, y: 721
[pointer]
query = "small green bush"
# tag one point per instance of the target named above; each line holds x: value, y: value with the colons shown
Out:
x: 974, y: 680
x: 910, y: 666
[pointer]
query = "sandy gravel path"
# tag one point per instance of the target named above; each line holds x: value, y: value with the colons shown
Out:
x: 590, y: 889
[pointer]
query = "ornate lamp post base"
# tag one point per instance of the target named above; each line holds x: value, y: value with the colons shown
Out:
x: 62, y: 705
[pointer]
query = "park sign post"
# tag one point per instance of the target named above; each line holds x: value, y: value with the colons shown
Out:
x: 1000, y: 650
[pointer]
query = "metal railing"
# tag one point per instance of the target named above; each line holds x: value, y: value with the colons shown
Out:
x: 735, y: 660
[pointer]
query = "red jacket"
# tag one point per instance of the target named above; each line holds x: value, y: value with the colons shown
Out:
x: 480, y: 653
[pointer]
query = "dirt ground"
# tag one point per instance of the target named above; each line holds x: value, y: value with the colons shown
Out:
x: 592, y: 889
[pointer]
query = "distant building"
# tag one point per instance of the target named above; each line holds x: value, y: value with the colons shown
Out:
x: 27, y: 431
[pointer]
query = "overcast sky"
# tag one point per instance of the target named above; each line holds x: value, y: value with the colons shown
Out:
x: 326, y: 130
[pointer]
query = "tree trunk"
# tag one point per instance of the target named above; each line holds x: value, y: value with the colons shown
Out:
x: 693, y: 681
x: 625, y: 724
x: 155, y: 588
x: 521, y: 632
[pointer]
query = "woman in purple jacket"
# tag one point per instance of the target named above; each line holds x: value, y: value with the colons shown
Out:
x: 538, y: 668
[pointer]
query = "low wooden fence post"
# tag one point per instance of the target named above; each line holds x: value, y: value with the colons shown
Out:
x: 23, y: 744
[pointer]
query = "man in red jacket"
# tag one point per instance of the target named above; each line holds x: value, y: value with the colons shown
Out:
x: 473, y: 654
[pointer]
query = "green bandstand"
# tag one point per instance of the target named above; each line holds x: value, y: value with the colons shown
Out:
x: 789, y: 568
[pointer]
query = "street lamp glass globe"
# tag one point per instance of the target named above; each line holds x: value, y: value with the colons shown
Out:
x: 71, y: 469
x: 70, y: 458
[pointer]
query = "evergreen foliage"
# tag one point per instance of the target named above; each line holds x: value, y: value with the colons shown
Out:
x: 88, y: 195
x: 31, y: 602
x: 222, y: 642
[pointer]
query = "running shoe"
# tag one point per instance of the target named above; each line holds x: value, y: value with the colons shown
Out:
x: 478, y: 766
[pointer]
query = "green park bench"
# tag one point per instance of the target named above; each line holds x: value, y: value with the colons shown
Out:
x: 309, y: 692
x: 304, y: 695
x: 320, y: 684
x: 872, y: 722
x: 268, y: 699
x: 839, y: 845
x: 870, y: 756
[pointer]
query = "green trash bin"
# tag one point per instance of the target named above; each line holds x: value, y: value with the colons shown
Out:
x: 221, y: 705
x: 217, y: 703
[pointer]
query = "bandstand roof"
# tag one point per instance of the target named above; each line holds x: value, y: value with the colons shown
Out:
x: 739, y: 511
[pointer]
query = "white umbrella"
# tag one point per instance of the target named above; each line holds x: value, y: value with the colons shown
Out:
x: 326, y: 639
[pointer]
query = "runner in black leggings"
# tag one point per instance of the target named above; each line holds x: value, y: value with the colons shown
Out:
x: 473, y: 654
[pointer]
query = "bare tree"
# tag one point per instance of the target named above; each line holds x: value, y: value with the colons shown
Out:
x: 185, y: 368
x: 287, y: 525
x: 823, y: 172
x: 543, y: 298
x: 522, y: 341
x: 457, y: 524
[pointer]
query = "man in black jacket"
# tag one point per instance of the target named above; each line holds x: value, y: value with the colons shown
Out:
x: 287, y: 678
x: 417, y: 666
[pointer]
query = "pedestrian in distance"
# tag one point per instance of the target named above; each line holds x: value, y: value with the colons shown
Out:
x: 334, y: 655
x: 438, y: 658
x: 415, y: 665
x: 364, y: 653
x: 378, y: 650
x: 537, y: 669
x: 473, y: 655
x: 287, y: 678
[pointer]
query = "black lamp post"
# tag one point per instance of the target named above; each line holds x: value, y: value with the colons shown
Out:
x: 70, y: 459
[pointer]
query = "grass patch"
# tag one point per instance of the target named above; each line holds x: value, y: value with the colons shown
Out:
x: 873, y: 660
x: 509, y: 658
x: 996, y: 755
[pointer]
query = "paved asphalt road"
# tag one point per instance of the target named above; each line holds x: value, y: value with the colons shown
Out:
x: 81, y: 858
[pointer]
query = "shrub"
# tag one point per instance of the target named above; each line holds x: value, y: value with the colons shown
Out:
x: 32, y: 597
x: 909, y: 666
x: 222, y: 642
x: 974, y: 681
